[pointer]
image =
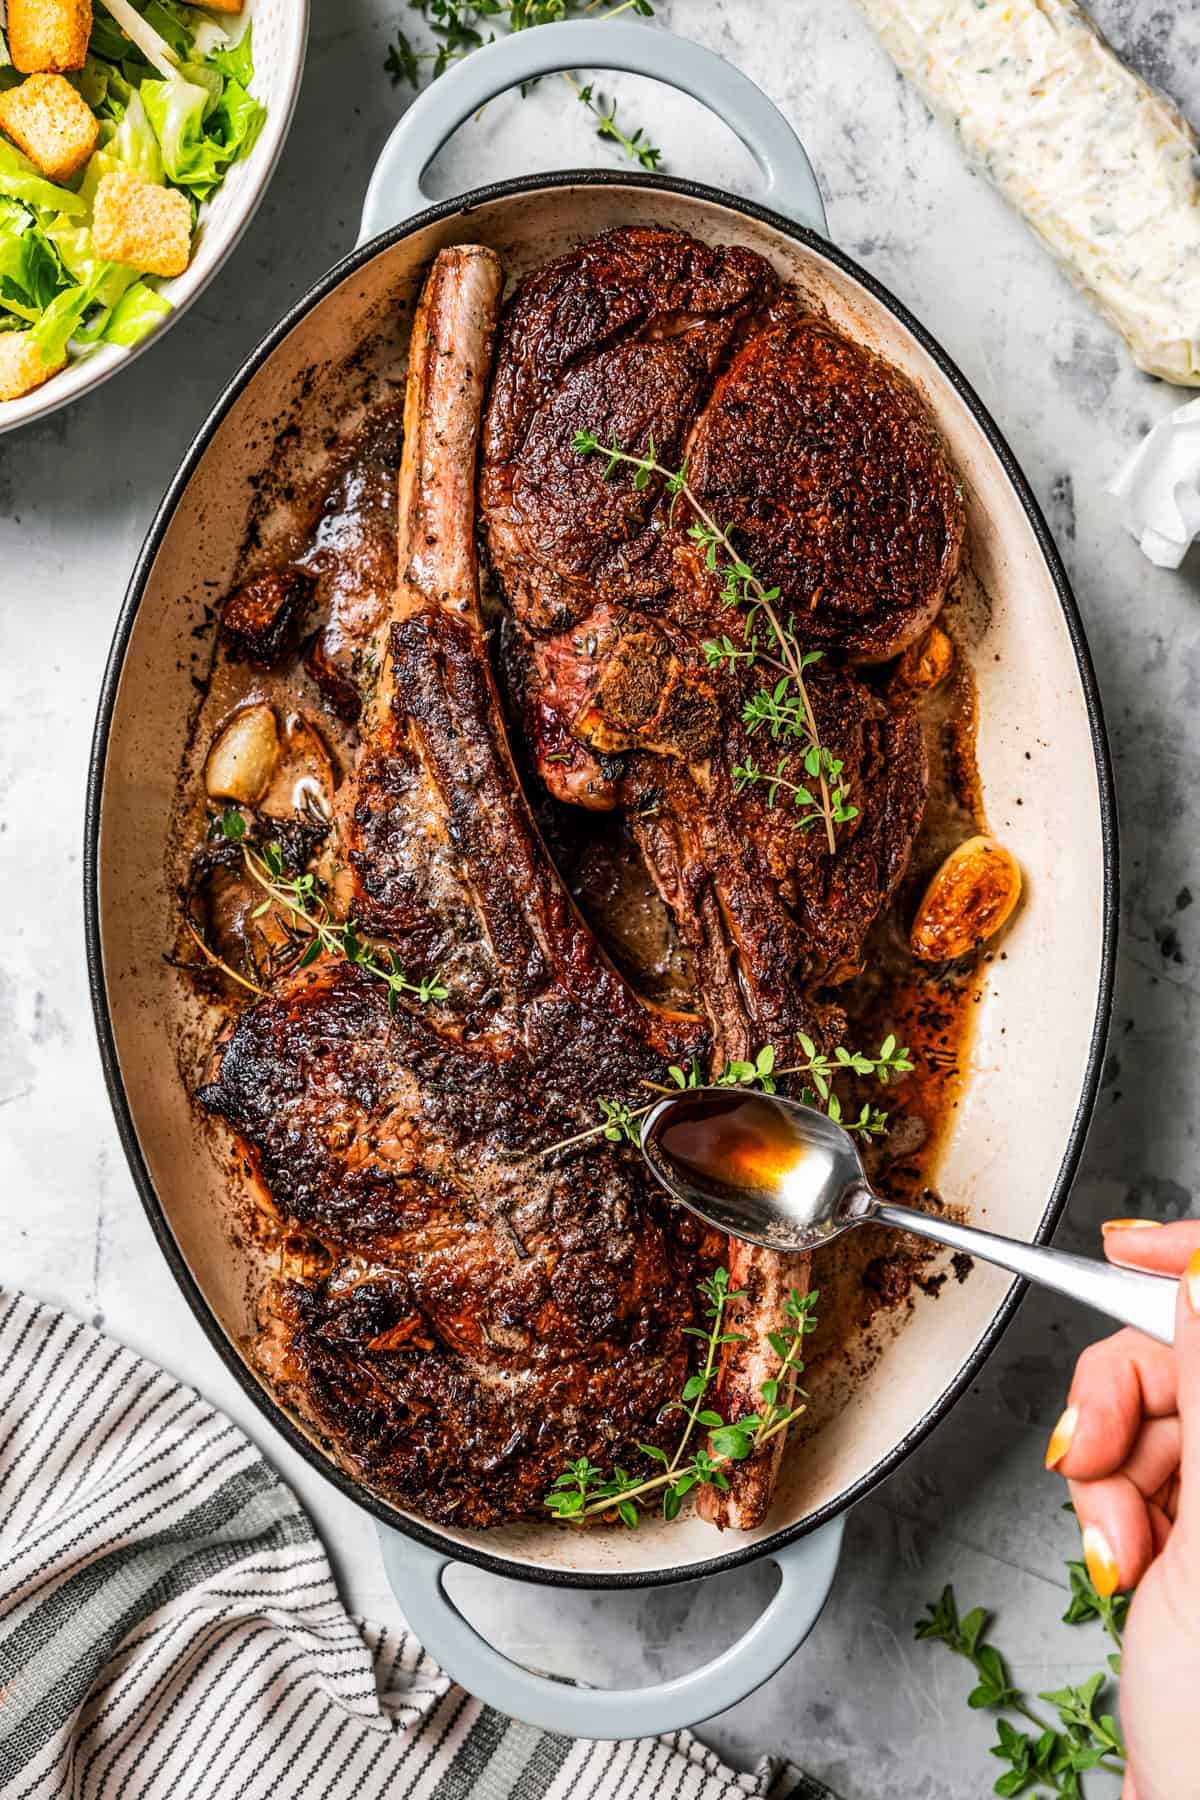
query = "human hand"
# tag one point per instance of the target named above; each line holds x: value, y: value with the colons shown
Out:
x: 1129, y: 1446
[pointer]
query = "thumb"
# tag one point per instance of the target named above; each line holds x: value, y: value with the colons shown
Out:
x: 1187, y: 1359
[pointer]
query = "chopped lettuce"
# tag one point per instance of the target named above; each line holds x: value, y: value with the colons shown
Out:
x: 134, y: 143
x: 239, y: 117
x: 171, y: 23
x: 200, y: 137
x: 201, y: 75
x: 185, y: 132
x: 30, y: 272
x: 109, y: 43
x: 176, y: 110
x: 60, y: 321
x: 137, y: 311
x: 237, y: 62
x: 104, y: 88
x: 20, y: 180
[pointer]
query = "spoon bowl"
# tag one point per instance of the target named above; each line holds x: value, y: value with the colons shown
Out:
x: 758, y: 1167
x: 787, y: 1177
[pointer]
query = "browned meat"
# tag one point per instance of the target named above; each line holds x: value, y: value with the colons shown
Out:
x: 353, y: 561
x: 623, y: 335
x: 792, y: 916
x: 261, y: 621
x: 461, y: 1316
x: 339, y: 680
x: 820, y: 460
x: 482, y: 1317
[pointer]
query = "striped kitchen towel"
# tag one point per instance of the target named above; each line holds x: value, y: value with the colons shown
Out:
x: 169, y: 1624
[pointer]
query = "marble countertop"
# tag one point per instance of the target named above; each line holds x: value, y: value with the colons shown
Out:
x: 877, y: 1715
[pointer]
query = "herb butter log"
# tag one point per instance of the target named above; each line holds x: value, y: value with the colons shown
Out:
x: 1101, y: 164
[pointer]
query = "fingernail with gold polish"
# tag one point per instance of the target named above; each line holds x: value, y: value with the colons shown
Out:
x: 1060, y: 1437
x: 1192, y: 1282
x: 1101, y: 1563
x: 1131, y: 1224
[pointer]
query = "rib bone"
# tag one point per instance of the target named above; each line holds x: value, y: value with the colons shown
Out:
x: 456, y: 1315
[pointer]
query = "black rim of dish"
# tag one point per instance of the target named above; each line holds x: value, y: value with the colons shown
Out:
x: 478, y: 1554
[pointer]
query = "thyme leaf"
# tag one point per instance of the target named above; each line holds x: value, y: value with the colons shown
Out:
x: 636, y: 145
x: 784, y: 709
x: 584, y: 1490
x: 300, y: 898
x: 460, y: 26
x: 620, y: 1121
x: 1063, y: 1750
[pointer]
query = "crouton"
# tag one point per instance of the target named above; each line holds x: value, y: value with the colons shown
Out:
x: 48, y: 34
x: 21, y: 365
x: 138, y: 223
x: 51, y: 123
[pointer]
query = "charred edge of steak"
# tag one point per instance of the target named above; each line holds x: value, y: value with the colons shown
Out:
x: 824, y: 460
x: 261, y: 621
x: 623, y: 336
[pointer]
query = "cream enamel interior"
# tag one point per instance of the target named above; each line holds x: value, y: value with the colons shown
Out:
x: 1037, y: 761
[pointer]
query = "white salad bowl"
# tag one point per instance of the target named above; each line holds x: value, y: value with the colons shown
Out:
x: 280, y: 39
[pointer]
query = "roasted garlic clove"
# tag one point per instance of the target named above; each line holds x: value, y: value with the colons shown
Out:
x: 968, y: 900
x: 243, y: 758
x: 303, y: 780
x: 926, y: 663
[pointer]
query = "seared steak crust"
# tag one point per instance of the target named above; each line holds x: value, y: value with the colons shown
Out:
x: 622, y: 336
x: 447, y: 858
x: 476, y: 1316
x: 822, y: 460
x: 819, y: 459
x: 470, y: 1429
x: 456, y: 1314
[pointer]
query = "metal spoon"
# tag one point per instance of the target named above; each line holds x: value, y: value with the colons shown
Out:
x: 775, y: 1173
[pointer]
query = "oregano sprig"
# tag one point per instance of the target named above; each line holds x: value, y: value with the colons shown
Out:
x: 785, y: 709
x: 584, y: 1490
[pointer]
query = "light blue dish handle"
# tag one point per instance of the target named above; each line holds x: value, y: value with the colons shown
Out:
x: 806, y: 1570
x: 395, y: 194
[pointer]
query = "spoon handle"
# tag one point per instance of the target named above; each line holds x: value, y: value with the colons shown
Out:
x: 1146, y: 1302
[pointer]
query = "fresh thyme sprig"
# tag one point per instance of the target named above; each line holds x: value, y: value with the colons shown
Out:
x: 218, y: 962
x: 457, y: 25
x: 619, y: 1121
x: 636, y: 145
x: 785, y: 709
x: 1084, y: 1738
x: 300, y: 898
x: 584, y: 1490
